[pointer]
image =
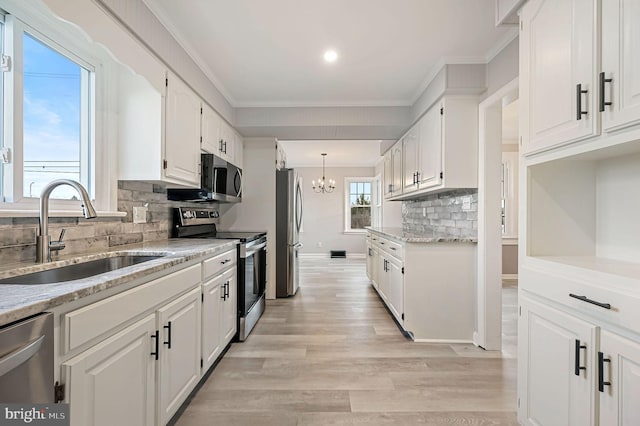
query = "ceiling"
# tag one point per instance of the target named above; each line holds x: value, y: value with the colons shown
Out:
x: 349, y: 153
x: 270, y: 53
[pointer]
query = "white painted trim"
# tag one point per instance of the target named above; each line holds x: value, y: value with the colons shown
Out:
x: 509, y: 276
x: 509, y: 241
x: 511, y: 35
x: 443, y: 341
x: 489, y: 267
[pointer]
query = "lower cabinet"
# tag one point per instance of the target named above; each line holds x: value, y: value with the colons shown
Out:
x: 113, y: 383
x: 219, y: 315
x: 179, y: 326
x: 564, y: 374
x: 391, y: 284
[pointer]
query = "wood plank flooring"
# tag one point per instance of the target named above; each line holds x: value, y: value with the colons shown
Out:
x: 332, y: 355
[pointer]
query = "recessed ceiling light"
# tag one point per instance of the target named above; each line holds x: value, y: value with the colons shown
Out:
x: 330, y: 56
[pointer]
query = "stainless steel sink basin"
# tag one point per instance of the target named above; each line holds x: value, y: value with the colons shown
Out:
x: 79, y: 270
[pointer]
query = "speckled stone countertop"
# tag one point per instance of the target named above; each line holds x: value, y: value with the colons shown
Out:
x: 19, y: 301
x: 399, y: 234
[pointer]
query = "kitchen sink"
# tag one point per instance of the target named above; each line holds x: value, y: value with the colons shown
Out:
x: 78, y: 271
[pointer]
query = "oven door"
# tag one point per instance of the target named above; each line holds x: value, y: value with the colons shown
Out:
x: 253, y: 261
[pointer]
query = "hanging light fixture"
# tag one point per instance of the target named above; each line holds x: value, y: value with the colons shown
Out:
x: 323, y: 185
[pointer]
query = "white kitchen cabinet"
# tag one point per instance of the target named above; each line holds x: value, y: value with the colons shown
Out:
x: 383, y: 279
x: 182, y: 126
x: 179, y: 324
x: 618, y: 380
x: 410, y: 156
x: 558, y: 46
x: 211, y: 328
x: 395, y: 287
x: 619, y: 79
x: 387, y: 174
x: 211, y: 124
x: 429, y: 155
x: 230, y: 308
x: 556, y: 355
x: 225, y: 143
x: 158, y: 132
x: 238, y: 146
x: 396, y: 166
x: 113, y: 383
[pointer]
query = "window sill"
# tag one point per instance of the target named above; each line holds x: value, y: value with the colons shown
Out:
x: 355, y: 232
x: 56, y: 213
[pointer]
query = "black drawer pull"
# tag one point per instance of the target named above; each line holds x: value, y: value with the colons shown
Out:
x: 579, y: 93
x: 156, y: 336
x: 168, y: 328
x: 601, y: 382
x: 577, y: 366
x: 603, y: 82
x: 593, y: 302
x: 392, y: 248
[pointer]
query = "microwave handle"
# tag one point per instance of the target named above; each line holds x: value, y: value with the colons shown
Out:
x: 215, y: 180
x: 239, y: 176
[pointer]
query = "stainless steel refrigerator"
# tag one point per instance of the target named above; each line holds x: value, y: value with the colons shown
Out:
x: 288, y: 223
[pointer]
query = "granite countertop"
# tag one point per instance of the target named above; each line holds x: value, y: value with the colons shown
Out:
x: 407, y: 237
x: 20, y: 301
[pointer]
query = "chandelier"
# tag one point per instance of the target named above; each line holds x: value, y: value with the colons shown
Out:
x: 323, y: 185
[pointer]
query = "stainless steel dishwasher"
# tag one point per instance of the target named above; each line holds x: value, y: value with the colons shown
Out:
x: 26, y: 361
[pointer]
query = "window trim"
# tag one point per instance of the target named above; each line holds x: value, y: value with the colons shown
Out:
x: 347, y: 204
x: 74, y: 44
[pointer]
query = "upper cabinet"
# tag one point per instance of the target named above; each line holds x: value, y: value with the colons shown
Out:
x: 159, y: 133
x: 225, y: 143
x: 619, y: 79
x: 558, y: 60
x: 437, y: 153
x: 182, y: 124
x: 238, y: 149
x: 211, y: 127
x: 566, y: 91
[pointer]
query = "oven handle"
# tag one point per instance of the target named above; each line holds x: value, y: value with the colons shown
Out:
x: 296, y: 245
x: 254, y: 249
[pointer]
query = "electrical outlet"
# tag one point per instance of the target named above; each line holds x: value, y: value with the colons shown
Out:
x: 319, y: 244
x: 424, y: 212
x: 466, y: 203
x: 140, y: 214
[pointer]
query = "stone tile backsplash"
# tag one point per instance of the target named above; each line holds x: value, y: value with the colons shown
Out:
x: 449, y: 214
x: 18, y: 234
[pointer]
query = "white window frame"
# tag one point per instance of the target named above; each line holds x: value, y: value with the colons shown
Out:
x: 73, y: 43
x: 347, y: 203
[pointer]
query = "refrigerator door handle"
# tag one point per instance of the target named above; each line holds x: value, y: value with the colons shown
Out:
x: 296, y: 245
x: 299, y: 203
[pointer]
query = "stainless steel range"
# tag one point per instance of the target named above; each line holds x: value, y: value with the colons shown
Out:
x: 252, y: 260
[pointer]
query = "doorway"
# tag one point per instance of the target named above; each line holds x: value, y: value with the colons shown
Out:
x: 491, y: 217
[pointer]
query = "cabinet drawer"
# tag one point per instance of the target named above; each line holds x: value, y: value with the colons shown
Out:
x: 218, y: 263
x: 624, y: 306
x: 84, y: 324
x: 393, y: 248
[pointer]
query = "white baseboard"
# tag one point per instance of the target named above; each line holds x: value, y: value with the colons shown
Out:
x: 443, y: 341
x: 509, y: 276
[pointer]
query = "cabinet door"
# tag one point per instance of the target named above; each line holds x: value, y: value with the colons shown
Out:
x: 396, y: 157
x: 179, y: 325
x: 182, y: 138
x: 114, y: 383
x: 383, y: 278
x: 230, y: 308
x: 226, y: 142
x: 410, y: 160
x: 557, y: 54
x: 430, y: 152
x: 211, y: 321
x: 374, y: 266
x: 620, y: 63
x: 388, y: 174
x: 210, y: 130
x: 621, y: 368
x: 395, y: 288
x: 549, y: 391
x: 238, y: 145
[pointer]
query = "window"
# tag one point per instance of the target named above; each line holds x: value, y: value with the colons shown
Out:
x: 360, y: 197
x: 55, y: 120
x: 55, y: 112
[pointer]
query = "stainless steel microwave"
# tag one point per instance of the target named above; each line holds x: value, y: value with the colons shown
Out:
x: 219, y: 181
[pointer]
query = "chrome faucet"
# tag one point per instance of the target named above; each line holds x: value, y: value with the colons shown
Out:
x: 44, y: 245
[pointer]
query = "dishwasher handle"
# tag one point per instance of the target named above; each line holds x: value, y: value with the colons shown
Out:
x: 18, y: 357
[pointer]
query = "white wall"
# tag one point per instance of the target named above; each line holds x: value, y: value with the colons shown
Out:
x: 323, y: 217
x: 257, y: 211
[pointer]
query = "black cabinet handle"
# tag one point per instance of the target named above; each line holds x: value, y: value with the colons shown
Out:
x: 601, y: 382
x: 382, y: 242
x: 577, y: 366
x: 417, y: 178
x: 603, y: 82
x: 156, y: 336
x: 579, y: 93
x: 393, y: 248
x: 593, y: 302
x: 168, y: 328
x: 226, y: 290
x: 224, y: 294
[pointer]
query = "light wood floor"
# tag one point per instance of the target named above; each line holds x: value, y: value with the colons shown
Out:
x: 332, y: 355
